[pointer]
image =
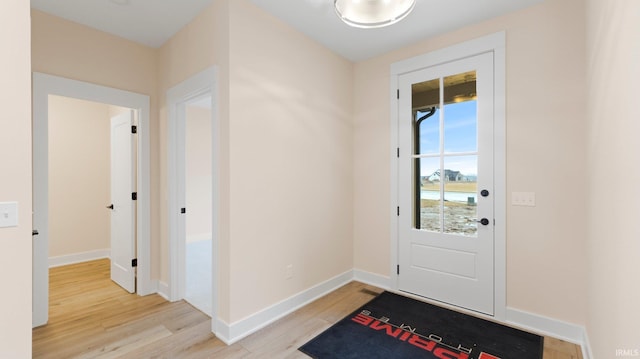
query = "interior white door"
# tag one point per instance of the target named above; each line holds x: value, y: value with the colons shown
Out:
x: 123, y: 206
x: 445, y: 221
x: 196, y: 180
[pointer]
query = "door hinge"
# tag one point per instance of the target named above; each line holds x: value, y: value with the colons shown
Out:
x: 398, y: 152
x: 398, y: 210
x: 398, y: 269
x: 134, y: 129
x: 134, y: 262
x: 183, y: 210
x: 134, y: 196
x: 398, y: 94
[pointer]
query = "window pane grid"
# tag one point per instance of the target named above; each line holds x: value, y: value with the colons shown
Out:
x: 446, y: 197
x: 447, y: 154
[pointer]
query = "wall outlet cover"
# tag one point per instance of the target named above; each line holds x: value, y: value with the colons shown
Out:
x: 8, y: 214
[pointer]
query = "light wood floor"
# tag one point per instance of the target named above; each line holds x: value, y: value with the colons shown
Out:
x: 90, y: 317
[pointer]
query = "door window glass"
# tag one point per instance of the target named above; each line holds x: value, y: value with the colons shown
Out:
x: 445, y: 152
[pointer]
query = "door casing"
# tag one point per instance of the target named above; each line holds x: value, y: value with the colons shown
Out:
x: 491, y: 43
x: 43, y: 86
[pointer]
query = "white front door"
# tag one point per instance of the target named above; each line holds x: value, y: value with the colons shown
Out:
x: 123, y: 206
x: 446, y: 186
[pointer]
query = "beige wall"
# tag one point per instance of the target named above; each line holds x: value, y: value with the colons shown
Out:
x: 79, y: 176
x: 63, y: 48
x: 67, y: 49
x: 613, y: 148
x: 15, y: 179
x: 286, y: 152
x: 198, y: 173
x: 546, y: 258
x: 290, y: 161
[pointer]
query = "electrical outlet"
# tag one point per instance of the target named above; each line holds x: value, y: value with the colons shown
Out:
x: 526, y: 199
x: 288, y: 271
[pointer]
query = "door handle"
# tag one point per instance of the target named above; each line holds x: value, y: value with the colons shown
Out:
x: 34, y: 232
x: 110, y: 206
x: 483, y: 221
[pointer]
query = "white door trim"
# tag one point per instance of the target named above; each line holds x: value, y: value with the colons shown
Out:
x: 491, y: 43
x: 196, y: 86
x: 43, y: 86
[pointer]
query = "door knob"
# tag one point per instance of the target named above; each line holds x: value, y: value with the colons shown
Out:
x: 110, y: 206
x: 483, y: 221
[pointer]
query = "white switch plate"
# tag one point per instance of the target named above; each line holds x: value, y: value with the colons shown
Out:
x: 527, y: 199
x: 8, y: 214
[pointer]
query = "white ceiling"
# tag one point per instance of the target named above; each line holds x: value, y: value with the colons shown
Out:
x: 152, y: 22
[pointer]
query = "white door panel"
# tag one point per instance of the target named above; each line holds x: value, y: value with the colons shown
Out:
x: 123, y: 211
x: 446, y: 161
x: 443, y: 260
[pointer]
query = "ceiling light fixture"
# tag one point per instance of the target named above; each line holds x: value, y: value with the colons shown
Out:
x: 373, y: 13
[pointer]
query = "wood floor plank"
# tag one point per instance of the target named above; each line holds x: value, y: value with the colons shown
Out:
x: 127, y: 344
x: 349, y: 302
x: 558, y: 349
x: 287, y: 345
x: 178, y: 343
x: 91, y: 317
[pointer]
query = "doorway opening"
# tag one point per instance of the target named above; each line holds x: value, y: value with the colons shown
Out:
x: 198, y: 200
x: 45, y: 88
x: 196, y: 94
x: 92, y: 171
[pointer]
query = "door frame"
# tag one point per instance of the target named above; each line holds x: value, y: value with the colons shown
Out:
x: 491, y: 43
x: 197, y: 86
x: 43, y: 86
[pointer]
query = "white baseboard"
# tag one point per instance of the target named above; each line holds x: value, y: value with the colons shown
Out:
x: 231, y: 333
x: 547, y: 326
x: 373, y: 279
x: 78, y: 257
x: 162, y: 289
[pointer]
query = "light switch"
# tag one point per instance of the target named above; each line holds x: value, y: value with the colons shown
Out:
x: 527, y: 199
x: 8, y: 214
